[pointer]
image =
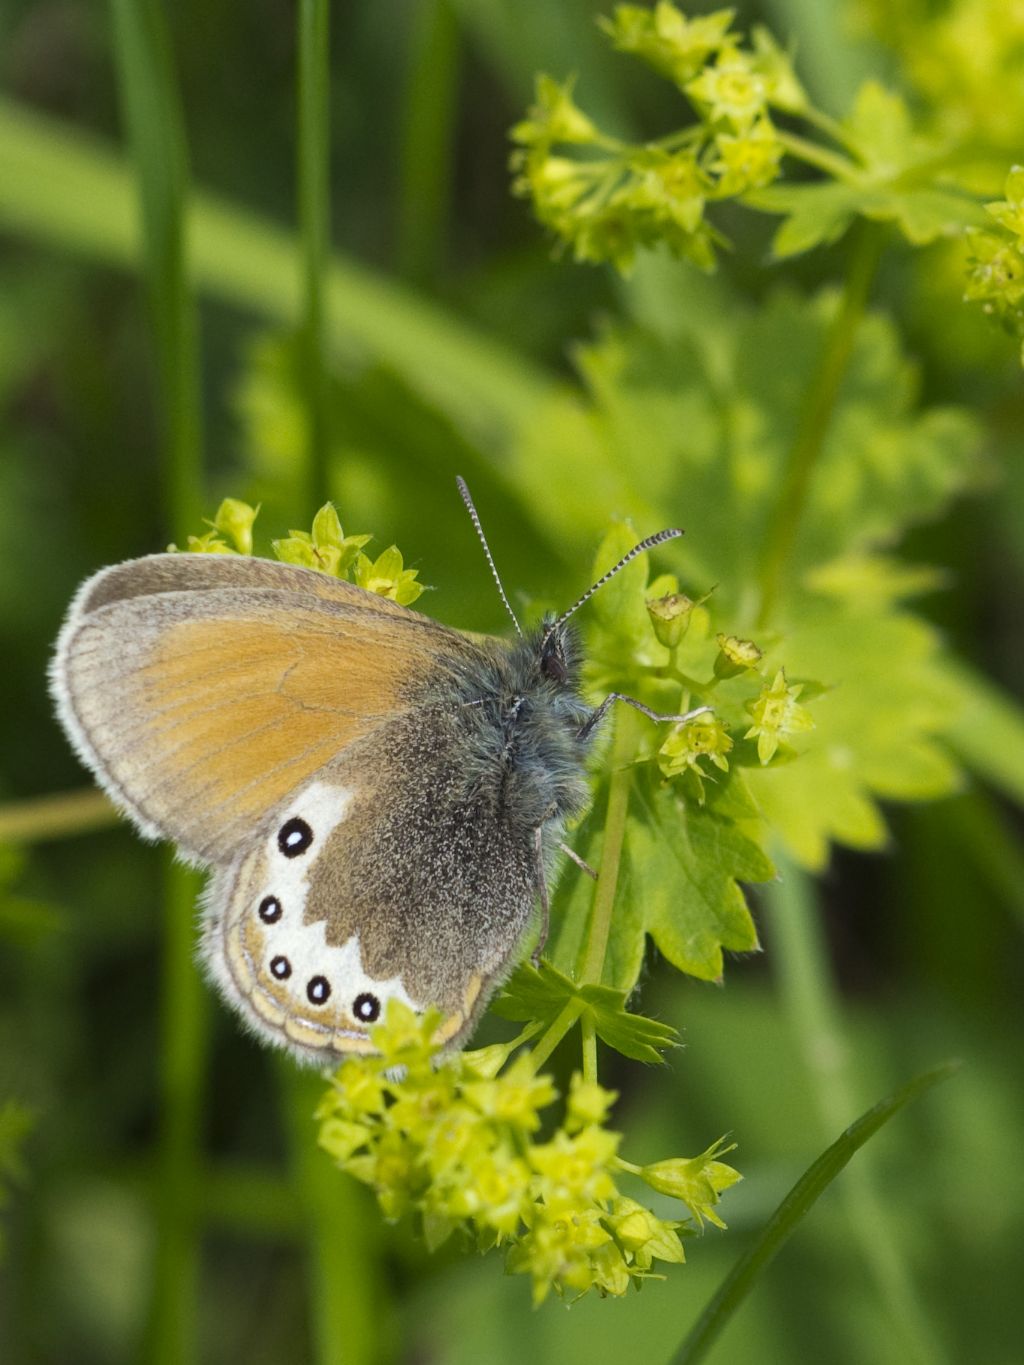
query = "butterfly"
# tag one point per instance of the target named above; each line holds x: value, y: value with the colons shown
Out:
x: 377, y: 796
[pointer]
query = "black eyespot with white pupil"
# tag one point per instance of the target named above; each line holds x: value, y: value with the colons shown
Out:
x: 366, y: 1007
x: 280, y: 968
x: 270, y: 910
x: 318, y: 988
x: 294, y: 837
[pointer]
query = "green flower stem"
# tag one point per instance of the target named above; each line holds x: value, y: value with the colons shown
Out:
x: 788, y: 1216
x: 620, y: 762
x: 53, y: 817
x: 314, y: 212
x: 154, y: 126
x: 554, y: 1034
x: 810, y: 1001
x: 841, y: 168
x: 826, y: 124
x: 427, y: 142
x: 818, y: 408
x: 342, y: 1229
x: 589, y: 1031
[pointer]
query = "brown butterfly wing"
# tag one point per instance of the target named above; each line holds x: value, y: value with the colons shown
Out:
x: 203, y: 690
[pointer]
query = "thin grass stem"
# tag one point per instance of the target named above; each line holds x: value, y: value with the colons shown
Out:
x: 155, y: 132
x: 314, y: 212
x: 427, y: 145
x: 809, y: 998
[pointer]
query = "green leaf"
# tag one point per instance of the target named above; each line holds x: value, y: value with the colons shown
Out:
x: 879, y: 130
x: 699, y: 433
x: 816, y: 214
x: 678, y: 884
x: 879, y: 731
x: 541, y: 993
x: 986, y: 729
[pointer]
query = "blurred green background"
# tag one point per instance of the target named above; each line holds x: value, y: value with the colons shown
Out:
x: 450, y: 325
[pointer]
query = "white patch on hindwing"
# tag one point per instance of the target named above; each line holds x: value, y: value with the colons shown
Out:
x: 242, y: 944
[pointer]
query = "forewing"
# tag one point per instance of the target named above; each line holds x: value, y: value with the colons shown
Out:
x: 203, y: 691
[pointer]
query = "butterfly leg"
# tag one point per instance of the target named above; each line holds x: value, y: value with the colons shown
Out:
x: 542, y: 891
x: 598, y: 715
x: 583, y: 866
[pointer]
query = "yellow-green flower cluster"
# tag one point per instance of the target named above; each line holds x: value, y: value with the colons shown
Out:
x: 463, y: 1143
x: 325, y: 547
x: 607, y: 198
x: 995, y: 275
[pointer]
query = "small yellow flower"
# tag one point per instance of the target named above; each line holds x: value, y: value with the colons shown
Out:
x: 325, y: 547
x: 513, y: 1097
x: 703, y: 737
x: 697, y: 1181
x: 235, y: 519
x: 643, y: 1235
x: 732, y: 90
x: 554, y: 117
x: 576, y: 1167
x: 587, y: 1103
x: 208, y: 544
x: 673, y: 44
x: 747, y: 160
x: 387, y: 576
x: 776, y: 714
x: 670, y: 185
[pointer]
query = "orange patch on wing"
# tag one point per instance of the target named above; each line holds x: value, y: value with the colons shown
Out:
x: 236, y: 715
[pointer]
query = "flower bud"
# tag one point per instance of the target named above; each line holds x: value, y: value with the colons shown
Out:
x: 735, y: 656
x: 670, y: 617
x: 234, y: 519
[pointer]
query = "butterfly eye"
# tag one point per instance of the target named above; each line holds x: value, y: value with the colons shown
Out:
x: 294, y: 837
x: 366, y: 1007
x: 318, y: 988
x: 270, y: 910
x: 280, y: 968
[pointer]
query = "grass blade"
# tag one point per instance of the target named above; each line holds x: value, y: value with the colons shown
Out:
x: 156, y: 134
x: 315, y: 227
x: 786, y: 1218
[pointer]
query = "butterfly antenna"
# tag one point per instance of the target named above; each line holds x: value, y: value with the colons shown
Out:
x: 647, y: 544
x: 474, y: 517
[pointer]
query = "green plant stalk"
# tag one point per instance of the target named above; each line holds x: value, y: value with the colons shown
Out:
x: 788, y: 1216
x: 807, y: 993
x: 817, y: 414
x: 314, y: 212
x: 53, y: 817
x: 427, y: 141
x: 155, y: 132
x: 589, y: 1032
x: 341, y: 1225
x: 811, y: 154
x: 554, y: 1033
x: 620, y: 785
x: 154, y: 127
